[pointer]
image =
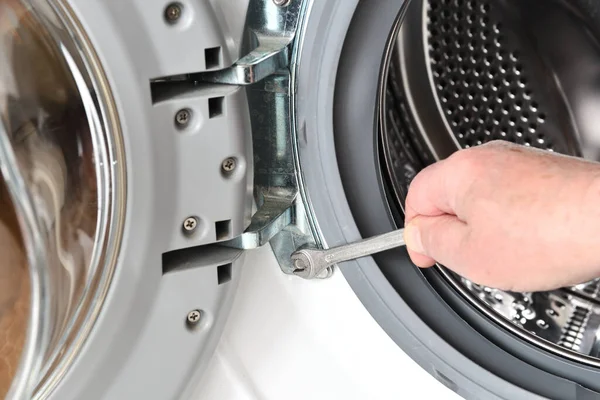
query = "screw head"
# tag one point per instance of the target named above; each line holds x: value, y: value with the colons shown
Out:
x: 281, y: 3
x: 228, y: 164
x: 183, y: 118
x: 173, y: 12
x: 193, y: 317
x: 190, y: 224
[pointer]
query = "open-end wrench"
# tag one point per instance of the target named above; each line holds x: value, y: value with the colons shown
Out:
x: 310, y: 263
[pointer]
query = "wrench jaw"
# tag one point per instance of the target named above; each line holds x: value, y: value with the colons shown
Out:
x: 310, y: 264
x: 301, y: 264
x: 304, y: 263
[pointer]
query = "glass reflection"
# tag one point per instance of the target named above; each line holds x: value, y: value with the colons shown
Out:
x: 58, y: 130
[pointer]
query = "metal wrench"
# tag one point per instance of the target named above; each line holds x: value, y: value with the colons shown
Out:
x: 310, y: 263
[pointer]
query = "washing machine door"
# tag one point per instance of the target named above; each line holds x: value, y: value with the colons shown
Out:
x: 147, y: 146
x: 119, y: 178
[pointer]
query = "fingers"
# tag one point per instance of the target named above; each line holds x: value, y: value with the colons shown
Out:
x: 438, y: 238
x: 434, y: 190
x: 428, y: 204
x: 426, y: 194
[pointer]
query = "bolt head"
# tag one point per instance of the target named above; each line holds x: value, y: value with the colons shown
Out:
x: 193, y: 317
x: 281, y: 3
x: 190, y: 224
x: 183, y: 118
x: 228, y: 164
x: 173, y: 12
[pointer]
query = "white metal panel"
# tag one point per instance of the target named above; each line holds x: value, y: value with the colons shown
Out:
x: 288, y: 338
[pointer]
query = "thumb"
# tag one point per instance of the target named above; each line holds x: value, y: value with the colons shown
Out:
x: 440, y: 238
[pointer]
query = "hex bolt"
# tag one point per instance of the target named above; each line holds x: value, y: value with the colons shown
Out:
x: 190, y: 224
x: 193, y: 317
x: 183, y: 118
x: 281, y: 3
x: 173, y: 13
x: 228, y: 164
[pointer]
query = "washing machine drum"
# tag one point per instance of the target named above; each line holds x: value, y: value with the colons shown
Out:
x: 454, y: 74
x: 491, y: 76
x: 524, y: 72
x: 146, y: 145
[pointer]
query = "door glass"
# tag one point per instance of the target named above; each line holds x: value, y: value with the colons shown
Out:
x: 59, y: 128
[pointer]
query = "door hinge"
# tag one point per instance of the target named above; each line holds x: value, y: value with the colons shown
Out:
x: 270, y: 30
x: 282, y: 218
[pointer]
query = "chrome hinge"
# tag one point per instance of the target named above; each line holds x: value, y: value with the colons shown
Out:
x: 270, y: 29
x: 281, y: 219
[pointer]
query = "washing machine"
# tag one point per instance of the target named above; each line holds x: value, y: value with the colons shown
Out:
x: 167, y: 167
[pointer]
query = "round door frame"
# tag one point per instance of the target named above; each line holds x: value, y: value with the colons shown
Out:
x: 338, y: 77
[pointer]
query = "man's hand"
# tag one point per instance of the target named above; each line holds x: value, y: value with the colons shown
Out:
x: 508, y: 217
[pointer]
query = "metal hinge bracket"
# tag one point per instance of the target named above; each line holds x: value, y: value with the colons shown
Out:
x: 281, y: 218
x: 271, y: 29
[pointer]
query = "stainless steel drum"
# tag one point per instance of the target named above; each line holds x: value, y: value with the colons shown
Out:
x: 464, y: 72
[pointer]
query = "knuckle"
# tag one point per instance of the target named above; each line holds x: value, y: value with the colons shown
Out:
x: 416, y: 190
x: 413, y: 188
x: 468, y: 163
x: 469, y: 157
x: 474, y: 161
x: 498, y: 144
x: 417, y: 182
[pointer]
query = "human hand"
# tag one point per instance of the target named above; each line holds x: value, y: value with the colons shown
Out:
x: 508, y: 217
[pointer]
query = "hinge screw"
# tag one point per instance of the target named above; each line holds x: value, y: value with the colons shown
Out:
x: 183, y: 117
x: 190, y: 224
x: 281, y: 3
x: 173, y: 12
x: 193, y: 317
x: 228, y: 164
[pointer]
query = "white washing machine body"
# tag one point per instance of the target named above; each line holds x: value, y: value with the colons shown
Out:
x: 216, y: 139
x: 282, y: 328
x: 167, y: 307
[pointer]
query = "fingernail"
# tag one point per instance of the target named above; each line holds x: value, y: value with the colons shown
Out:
x: 412, y: 237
